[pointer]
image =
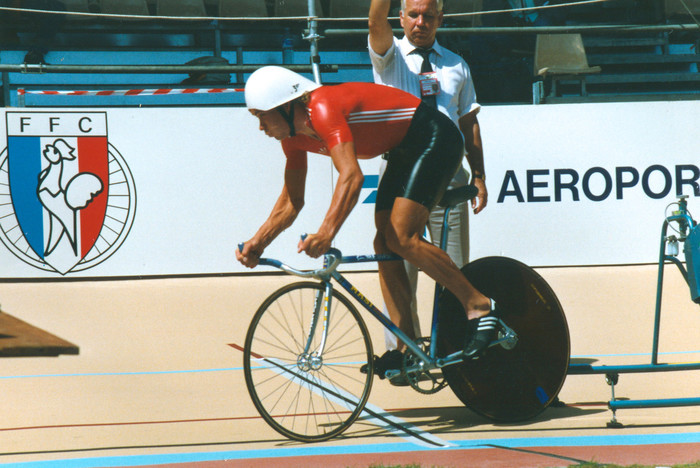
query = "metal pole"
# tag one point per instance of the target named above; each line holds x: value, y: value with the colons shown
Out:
x: 659, y: 288
x: 313, y: 37
x: 5, y: 88
x: 217, y: 38
x: 619, y: 28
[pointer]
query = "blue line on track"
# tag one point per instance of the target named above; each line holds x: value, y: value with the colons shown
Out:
x: 111, y: 374
x: 307, y: 451
x: 632, y: 354
x: 228, y: 369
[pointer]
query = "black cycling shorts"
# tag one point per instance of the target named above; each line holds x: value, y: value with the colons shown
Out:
x: 421, y: 167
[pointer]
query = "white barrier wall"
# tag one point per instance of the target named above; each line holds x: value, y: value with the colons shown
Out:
x: 125, y: 192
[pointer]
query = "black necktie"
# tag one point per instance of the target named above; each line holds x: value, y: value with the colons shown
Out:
x: 426, y: 67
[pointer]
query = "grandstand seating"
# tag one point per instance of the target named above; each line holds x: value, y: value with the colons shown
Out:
x: 185, y: 8
x: 562, y: 57
x: 464, y: 6
x: 681, y: 9
x: 633, y: 64
x: 296, y: 8
x: 124, y: 7
x: 77, y: 5
x: 241, y: 8
x: 349, y: 8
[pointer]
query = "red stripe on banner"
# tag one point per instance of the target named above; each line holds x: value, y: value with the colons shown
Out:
x: 131, y: 92
x: 93, y: 154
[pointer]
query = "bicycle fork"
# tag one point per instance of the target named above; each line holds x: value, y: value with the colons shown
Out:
x: 310, y: 359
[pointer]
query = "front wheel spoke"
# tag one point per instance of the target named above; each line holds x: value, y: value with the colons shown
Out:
x: 317, y: 397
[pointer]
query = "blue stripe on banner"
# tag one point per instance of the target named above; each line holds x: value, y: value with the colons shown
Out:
x: 370, y: 181
x: 24, y: 166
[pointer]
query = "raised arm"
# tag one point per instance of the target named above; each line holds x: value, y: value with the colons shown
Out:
x: 345, y: 196
x: 381, y: 36
x: 285, y: 211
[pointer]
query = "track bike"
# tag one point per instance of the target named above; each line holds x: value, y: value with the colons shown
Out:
x: 306, y: 343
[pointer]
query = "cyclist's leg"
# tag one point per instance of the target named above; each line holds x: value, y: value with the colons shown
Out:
x: 394, y: 282
x: 390, y: 339
x: 403, y: 235
x: 417, y: 174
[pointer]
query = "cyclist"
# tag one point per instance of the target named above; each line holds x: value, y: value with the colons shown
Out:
x: 354, y: 121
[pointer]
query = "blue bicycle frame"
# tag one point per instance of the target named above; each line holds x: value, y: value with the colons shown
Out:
x: 332, y: 259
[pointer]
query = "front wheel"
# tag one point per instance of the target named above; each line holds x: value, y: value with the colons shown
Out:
x: 308, y: 390
x: 508, y: 385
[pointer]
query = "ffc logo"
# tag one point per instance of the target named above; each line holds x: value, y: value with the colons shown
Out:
x: 67, y: 197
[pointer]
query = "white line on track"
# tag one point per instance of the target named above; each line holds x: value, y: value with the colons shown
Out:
x: 371, y: 413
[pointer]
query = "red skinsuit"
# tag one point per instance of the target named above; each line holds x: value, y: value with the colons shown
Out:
x: 374, y: 117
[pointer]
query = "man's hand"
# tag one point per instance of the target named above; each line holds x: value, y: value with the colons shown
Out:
x: 315, y: 245
x: 479, y: 202
x: 250, y: 256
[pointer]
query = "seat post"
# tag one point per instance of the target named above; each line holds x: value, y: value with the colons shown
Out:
x: 438, y: 288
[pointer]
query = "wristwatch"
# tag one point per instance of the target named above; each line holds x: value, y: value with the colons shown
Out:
x: 478, y: 175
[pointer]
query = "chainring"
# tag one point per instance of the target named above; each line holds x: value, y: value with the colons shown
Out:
x: 426, y: 382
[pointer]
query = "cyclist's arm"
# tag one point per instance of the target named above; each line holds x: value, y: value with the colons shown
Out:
x: 345, y: 196
x: 469, y: 125
x: 381, y: 37
x: 285, y: 211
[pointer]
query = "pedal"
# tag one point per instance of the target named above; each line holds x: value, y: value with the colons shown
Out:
x: 506, y: 338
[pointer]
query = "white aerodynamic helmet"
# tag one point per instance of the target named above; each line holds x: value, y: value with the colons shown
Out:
x: 271, y: 86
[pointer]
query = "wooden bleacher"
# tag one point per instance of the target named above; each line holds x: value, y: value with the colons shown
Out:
x: 20, y: 339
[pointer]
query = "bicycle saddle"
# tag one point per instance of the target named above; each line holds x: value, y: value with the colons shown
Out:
x: 455, y: 196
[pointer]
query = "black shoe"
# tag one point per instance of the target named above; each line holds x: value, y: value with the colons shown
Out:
x: 483, y: 332
x: 391, y: 360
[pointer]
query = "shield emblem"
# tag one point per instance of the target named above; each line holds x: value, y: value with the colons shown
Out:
x: 58, y: 171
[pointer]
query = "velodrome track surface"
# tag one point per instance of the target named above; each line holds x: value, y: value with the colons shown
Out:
x: 158, y: 382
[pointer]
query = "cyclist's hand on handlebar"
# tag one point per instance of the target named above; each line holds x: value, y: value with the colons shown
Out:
x: 315, y: 245
x: 250, y: 255
x: 479, y: 202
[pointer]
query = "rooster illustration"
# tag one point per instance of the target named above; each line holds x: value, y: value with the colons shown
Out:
x: 64, y: 192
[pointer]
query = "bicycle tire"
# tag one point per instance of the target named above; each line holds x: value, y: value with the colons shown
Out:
x: 308, y: 405
x: 508, y: 385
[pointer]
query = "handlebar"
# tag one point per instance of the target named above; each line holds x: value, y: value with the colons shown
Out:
x: 331, y: 260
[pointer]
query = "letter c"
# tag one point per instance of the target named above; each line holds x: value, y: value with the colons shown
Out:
x: 80, y: 125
